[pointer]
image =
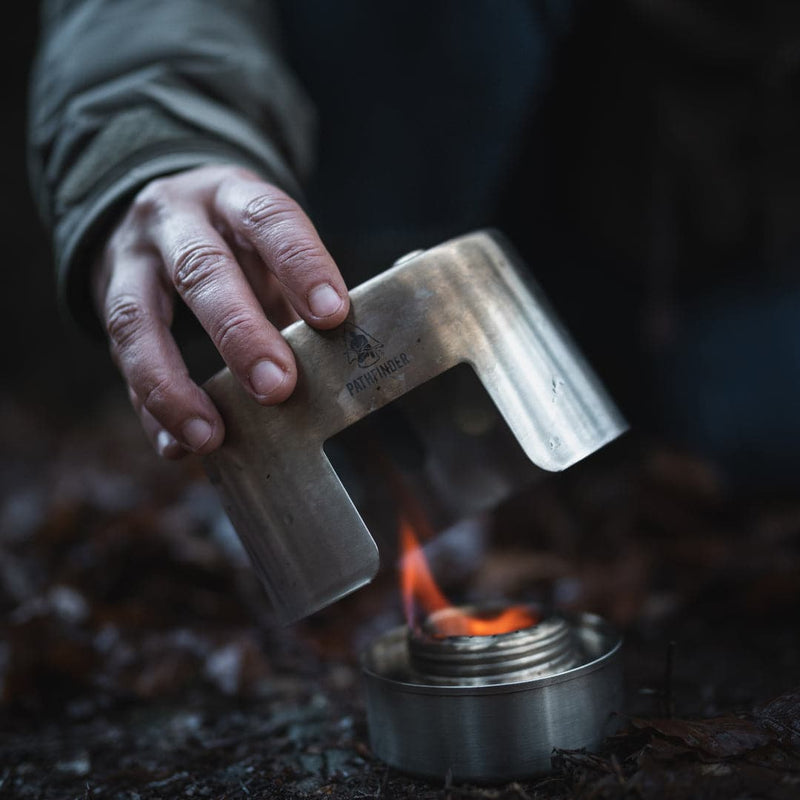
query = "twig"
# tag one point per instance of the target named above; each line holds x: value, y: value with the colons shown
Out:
x: 247, y: 736
x: 384, y: 783
x: 668, y: 699
x: 452, y: 792
x: 7, y: 773
x: 617, y: 769
x: 518, y: 791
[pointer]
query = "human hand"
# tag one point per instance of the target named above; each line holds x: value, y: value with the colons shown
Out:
x: 236, y: 250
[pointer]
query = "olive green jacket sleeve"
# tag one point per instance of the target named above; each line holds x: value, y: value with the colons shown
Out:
x: 124, y: 91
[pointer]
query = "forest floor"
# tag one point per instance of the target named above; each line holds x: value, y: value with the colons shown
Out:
x: 138, y: 658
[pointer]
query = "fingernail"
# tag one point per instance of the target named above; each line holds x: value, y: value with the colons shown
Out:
x: 196, y: 432
x: 324, y: 300
x: 266, y: 377
x: 166, y: 444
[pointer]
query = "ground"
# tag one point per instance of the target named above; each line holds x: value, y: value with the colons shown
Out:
x: 140, y: 660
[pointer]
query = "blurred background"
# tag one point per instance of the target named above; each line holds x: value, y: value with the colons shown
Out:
x: 655, y: 195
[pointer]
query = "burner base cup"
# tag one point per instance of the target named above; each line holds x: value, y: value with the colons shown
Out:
x: 497, y: 731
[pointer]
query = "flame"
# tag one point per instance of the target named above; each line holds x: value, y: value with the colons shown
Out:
x: 420, y: 591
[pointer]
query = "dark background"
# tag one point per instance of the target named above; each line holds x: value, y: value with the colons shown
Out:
x: 656, y: 202
x: 48, y: 364
x: 662, y: 193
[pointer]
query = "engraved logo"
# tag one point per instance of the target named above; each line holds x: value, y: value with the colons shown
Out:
x: 361, y: 346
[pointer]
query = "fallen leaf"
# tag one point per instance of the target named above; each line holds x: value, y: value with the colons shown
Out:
x: 781, y: 716
x: 720, y: 737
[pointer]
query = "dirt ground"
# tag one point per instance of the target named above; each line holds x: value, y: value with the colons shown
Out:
x: 139, y: 659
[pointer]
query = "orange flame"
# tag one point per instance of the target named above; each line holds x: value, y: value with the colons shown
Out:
x: 420, y: 591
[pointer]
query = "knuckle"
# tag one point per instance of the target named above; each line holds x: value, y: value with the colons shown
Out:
x: 150, y: 202
x: 126, y: 319
x: 157, y: 396
x: 236, y: 173
x: 235, y: 328
x: 267, y: 209
x: 297, y: 256
x: 195, y: 264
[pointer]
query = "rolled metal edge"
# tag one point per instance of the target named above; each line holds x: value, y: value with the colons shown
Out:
x: 493, y: 733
